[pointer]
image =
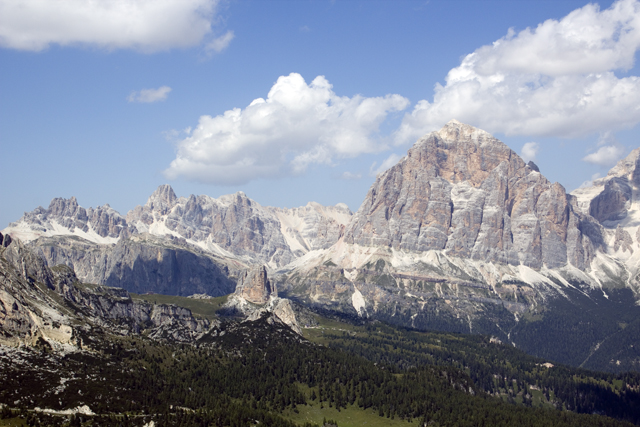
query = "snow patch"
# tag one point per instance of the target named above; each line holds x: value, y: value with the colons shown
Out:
x: 84, y: 409
x: 358, y: 301
x: 26, y: 232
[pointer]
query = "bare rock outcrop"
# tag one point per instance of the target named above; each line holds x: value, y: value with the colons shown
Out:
x: 622, y: 240
x: 255, y: 287
x: 143, y: 263
x: 463, y: 191
x: 232, y: 223
x: 256, y: 296
x: 613, y: 202
x: 65, y: 217
x: 313, y: 226
x: 38, y: 302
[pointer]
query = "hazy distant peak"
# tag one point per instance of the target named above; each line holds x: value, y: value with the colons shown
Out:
x: 162, y: 199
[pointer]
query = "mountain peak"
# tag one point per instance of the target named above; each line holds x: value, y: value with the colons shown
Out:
x: 457, y: 131
x: 628, y: 165
x: 464, y: 192
x: 162, y: 199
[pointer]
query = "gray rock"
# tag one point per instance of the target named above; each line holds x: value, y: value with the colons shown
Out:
x: 254, y: 286
x: 613, y: 202
x: 464, y: 191
x: 28, y: 313
x: 313, y: 226
x: 162, y: 200
x: 104, y: 221
x: 143, y: 263
x: 622, y: 240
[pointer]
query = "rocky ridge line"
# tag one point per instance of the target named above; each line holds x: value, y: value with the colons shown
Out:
x: 464, y: 192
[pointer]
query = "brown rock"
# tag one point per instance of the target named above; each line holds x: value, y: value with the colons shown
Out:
x: 622, y: 240
x: 255, y: 287
x: 464, y: 191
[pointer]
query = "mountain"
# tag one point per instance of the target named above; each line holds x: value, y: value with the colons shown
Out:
x: 461, y: 235
x: 49, y: 306
x: 178, y: 246
x: 78, y: 354
x: 614, y: 201
x: 465, y: 193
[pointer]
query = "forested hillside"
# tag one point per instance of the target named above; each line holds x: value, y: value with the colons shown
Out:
x: 261, y: 372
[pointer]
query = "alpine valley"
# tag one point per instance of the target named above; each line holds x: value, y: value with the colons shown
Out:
x: 204, y: 311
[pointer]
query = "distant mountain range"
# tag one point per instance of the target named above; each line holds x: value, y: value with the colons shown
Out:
x: 460, y: 235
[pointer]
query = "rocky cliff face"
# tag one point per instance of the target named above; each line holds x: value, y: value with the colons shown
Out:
x: 177, y: 245
x: 255, y: 287
x: 65, y: 217
x: 615, y: 201
x: 609, y: 199
x: 37, y: 302
x: 233, y: 224
x: 239, y: 226
x: 144, y: 263
x: 313, y: 226
x: 464, y: 192
x: 255, y: 296
x: 462, y: 235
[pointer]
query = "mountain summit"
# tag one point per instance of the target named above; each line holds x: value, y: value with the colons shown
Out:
x: 460, y: 235
x: 463, y: 191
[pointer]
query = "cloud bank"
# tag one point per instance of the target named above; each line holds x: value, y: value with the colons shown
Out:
x: 143, y: 25
x: 149, y: 95
x: 529, y: 151
x: 297, y: 125
x: 557, y: 79
x: 609, y: 153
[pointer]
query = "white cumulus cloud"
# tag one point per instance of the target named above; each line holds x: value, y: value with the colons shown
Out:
x: 529, y: 151
x: 144, y: 25
x: 607, y: 155
x: 149, y: 95
x: 553, y: 80
x: 297, y: 125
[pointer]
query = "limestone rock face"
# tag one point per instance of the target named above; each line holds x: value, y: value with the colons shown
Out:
x: 613, y: 202
x: 28, y: 310
x: 65, y: 217
x: 233, y: 223
x: 143, y: 263
x: 254, y: 286
x: 622, y: 240
x: 463, y: 191
x: 283, y: 311
x: 241, y: 226
x: 162, y: 200
x: 181, y: 246
x: 610, y: 198
x: 313, y: 226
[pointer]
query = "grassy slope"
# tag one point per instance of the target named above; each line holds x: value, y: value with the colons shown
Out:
x: 204, y: 308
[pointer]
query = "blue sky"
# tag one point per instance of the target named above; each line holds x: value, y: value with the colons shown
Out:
x: 107, y: 100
